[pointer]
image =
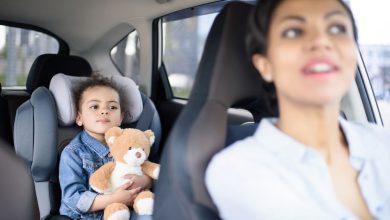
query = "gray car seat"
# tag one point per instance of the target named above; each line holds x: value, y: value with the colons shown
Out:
x: 45, y: 123
x: 225, y: 78
x: 17, y: 199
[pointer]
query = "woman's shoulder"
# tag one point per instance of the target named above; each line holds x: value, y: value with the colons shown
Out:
x: 241, y: 155
x: 375, y: 138
x: 369, y: 130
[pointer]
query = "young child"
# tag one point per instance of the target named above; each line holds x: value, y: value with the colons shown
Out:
x: 98, y: 109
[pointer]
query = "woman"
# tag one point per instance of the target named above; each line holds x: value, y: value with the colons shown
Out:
x: 308, y: 163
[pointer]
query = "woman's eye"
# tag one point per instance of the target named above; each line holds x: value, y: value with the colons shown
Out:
x: 113, y: 107
x: 292, y: 33
x: 337, y: 29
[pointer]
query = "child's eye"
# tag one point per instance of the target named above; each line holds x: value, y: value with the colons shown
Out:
x: 113, y: 107
x: 337, y: 29
x: 94, y: 107
x: 292, y: 33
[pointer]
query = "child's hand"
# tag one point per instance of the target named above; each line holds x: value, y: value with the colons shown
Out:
x: 144, y: 181
x: 126, y: 193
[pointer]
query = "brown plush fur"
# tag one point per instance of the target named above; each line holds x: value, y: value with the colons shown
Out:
x: 148, y: 168
x: 142, y: 195
x: 127, y: 137
x: 101, y: 178
x: 112, y: 208
x: 120, y: 142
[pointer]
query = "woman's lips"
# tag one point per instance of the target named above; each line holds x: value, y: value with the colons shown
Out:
x: 322, y: 67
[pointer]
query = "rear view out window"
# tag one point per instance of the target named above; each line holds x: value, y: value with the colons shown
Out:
x: 126, y: 56
x: 183, y: 43
x: 18, y: 50
x: 373, y: 19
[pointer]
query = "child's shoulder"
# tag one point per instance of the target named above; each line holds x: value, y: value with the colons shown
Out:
x: 72, y: 146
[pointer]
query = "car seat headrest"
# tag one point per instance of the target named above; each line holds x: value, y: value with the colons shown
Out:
x: 62, y: 87
x: 46, y: 66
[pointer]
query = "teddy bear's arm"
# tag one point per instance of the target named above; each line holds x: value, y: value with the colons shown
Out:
x: 100, y: 179
x: 151, y: 169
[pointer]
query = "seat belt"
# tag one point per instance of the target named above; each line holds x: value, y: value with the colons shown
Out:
x: 147, y: 114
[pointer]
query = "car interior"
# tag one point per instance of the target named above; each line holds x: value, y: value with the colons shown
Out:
x: 223, y: 80
x: 226, y: 101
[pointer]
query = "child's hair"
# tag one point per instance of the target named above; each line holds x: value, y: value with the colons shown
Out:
x: 97, y: 80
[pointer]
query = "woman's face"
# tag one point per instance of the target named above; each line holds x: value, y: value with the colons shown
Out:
x: 311, y: 56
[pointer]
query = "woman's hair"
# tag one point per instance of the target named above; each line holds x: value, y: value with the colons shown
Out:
x: 260, y: 20
x: 96, y: 80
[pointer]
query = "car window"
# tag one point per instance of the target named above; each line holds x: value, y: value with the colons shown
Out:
x: 372, y: 19
x: 126, y: 56
x: 18, y: 49
x: 183, y: 43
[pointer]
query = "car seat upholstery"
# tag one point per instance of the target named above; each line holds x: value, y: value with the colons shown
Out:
x: 45, y: 123
x: 46, y: 66
x: 42, y: 70
x: 225, y: 78
x: 5, y: 125
x: 17, y: 199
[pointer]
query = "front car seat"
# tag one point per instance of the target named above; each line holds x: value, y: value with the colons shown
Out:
x: 225, y: 78
x: 17, y: 199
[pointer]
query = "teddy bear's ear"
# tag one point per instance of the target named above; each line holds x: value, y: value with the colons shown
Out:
x: 150, y: 135
x: 111, y: 134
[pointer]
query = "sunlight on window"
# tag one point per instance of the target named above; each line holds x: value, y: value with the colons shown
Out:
x: 18, y: 50
x: 2, y: 37
x: 372, y: 18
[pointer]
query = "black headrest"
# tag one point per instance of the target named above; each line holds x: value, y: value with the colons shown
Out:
x: 225, y: 77
x: 47, y: 65
x: 225, y: 72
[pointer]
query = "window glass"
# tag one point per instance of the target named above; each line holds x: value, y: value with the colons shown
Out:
x: 18, y: 50
x: 126, y: 56
x: 372, y: 18
x: 183, y: 43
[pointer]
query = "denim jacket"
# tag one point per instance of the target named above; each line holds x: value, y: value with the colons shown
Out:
x: 83, y: 155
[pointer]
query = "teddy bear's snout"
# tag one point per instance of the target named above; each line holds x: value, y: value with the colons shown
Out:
x: 138, y: 154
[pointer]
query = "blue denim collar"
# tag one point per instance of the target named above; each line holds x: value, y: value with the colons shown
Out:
x: 101, y: 149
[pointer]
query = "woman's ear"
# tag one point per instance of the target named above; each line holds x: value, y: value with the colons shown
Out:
x: 262, y: 65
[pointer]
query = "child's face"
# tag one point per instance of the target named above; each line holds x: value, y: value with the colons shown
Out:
x: 99, y: 111
x: 311, y: 54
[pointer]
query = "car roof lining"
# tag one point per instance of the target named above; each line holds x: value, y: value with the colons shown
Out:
x: 88, y: 20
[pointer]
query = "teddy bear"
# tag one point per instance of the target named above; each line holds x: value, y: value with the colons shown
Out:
x: 130, y: 149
